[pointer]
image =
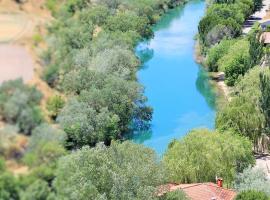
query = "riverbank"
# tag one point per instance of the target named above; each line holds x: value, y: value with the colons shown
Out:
x: 216, y: 78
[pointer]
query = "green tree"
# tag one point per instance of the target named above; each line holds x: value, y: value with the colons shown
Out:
x: 19, y: 104
x: 255, y: 49
x: 9, y: 187
x: 121, y: 171
x: 216, y: 154
x: 265, y: 98
x: 38, y: 190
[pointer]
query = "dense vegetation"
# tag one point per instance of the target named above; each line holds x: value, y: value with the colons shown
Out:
x: 91, y: 62
x: 19, y: 105
x: 90, y: 58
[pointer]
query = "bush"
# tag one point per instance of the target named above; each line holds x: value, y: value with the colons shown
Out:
x: 12, y: 145
x: 38, y: 190
x: 9, y: 187
x: 45, y: 133
x: 54, y: 106
x: 251, y: 195
x: 44, y: 154
x: 19, y: 104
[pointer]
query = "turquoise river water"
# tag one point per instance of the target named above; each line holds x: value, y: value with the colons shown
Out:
x: 176, y: 86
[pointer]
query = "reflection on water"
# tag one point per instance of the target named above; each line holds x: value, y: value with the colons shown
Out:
x: 203, y: 86
x: 176, y: 86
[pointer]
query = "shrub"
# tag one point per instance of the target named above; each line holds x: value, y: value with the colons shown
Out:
x: 19, y: 104
x: 251, y: 195
x: 54, y: 106
x: 38, y: 190
x: 9, y: 187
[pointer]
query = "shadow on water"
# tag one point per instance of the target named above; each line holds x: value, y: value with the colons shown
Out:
x: 205, y: 88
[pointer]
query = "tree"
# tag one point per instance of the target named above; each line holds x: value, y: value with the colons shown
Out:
x: 216, y: 154
x: 9, y: 187
x: 216, y: 53
x: 19, y: 104
x: 121, y: 171
x: 256, y: 48
x: 39, y: 190
x: 251, y: 195
x: 236, y: 62
x: 265, y: 98
x: 45, y: 133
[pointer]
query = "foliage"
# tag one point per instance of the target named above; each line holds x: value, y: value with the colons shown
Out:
x: 223, y: 20
x: 9, y: 187
x: 235, y: 62
x: 91, y: 57
x: 45, y: 134
x: 253, y: 179
x: 216, y: 53
x: 243, y: 114
x: 103, y: 110
x: 256, y: 48
x: 252, y: 195
x: 12, y: 144
x: 265, y: 97
x: 218, y: 154
x: 121, y: 171
x: 45, y: 153
x: 54, y: 105
x: 175, y: 195
x: 38, y: 190
x: 19, y: 104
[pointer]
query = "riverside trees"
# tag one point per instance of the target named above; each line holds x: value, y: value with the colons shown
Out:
x: 91, y: 59
x: 218, y: 154
x: 121, y: 171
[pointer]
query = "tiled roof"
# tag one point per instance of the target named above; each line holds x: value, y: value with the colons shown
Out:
x: 201, y: 191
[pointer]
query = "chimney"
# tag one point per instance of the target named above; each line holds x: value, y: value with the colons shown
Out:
x: 219, y: 182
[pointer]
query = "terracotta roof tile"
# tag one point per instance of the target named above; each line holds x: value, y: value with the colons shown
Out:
x: 202, y: 191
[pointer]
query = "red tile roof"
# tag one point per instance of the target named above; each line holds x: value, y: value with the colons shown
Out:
x: 201, y: 191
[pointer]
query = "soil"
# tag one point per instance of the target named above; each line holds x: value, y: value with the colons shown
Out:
x: 19, y: 57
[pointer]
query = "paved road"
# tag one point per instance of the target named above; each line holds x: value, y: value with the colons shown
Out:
x: 256, y: 17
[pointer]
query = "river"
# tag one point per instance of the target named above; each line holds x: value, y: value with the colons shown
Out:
x: 176, y: 86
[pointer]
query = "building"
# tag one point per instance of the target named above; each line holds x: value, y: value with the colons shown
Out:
x: 201, y: 191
